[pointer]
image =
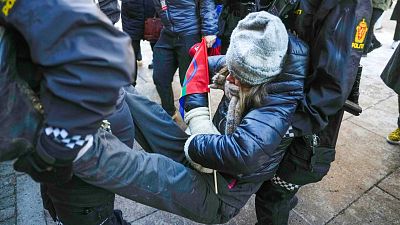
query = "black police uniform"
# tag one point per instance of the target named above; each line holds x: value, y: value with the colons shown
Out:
x: 335, y: 31
x: 62, y: 50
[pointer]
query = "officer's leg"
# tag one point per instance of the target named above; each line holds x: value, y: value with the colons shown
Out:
x: 273, y: 198
x: 77, y: 202
x: 306, y: 161
x: 273, y: 203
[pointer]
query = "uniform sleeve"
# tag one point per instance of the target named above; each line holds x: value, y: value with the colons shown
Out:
x: 335, y: 58
x: 209, y: 22
x: 83, y: 58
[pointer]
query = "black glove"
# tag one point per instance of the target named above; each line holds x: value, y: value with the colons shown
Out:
x: 41, y: 171
x: 45, y: 166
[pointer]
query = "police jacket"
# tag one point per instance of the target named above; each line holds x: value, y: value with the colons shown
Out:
x: 335, y: 31
x: 251, y: 152
x: 134, y: 13
x: 81, y: 73
x: 188, y: 17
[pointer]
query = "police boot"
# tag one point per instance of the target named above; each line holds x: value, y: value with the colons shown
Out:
x: 293, y: 202
x: 118, y: 219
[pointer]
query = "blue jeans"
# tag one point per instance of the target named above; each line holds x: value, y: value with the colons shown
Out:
x: 170, y: 53
x: 163, y: 180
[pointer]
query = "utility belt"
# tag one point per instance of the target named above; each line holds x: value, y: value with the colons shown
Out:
x: 308, y: 158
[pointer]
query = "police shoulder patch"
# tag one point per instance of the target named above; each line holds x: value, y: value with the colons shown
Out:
x: 361, y: 33
x: 6, y: 6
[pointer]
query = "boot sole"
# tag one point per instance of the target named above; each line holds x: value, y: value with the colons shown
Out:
x: 392, y: 142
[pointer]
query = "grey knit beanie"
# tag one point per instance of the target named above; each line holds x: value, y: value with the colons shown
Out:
x: 257, y: 49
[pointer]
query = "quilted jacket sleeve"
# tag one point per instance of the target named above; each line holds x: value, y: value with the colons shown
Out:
x: 252, y: 146
x: 209, y: 22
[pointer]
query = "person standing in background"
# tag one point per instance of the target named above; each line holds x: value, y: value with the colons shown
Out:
x: 390, y: 75
x: 133, y: 15
x: 185, y: 22
x: 396, y: 17
x: 378, y: 7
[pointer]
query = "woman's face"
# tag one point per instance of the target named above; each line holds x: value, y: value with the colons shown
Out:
x: 233, y: 80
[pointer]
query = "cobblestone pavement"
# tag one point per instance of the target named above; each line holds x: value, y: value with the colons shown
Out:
x: 363, y: 186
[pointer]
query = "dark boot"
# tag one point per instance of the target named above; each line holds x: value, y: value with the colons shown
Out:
x: 293, y: 202
x: 118, y: 219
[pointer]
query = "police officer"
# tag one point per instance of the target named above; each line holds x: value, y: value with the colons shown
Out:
x: 335, y: 31
x: 78, y: 75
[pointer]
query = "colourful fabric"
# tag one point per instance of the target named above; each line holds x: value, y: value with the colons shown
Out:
x: 197, y: 77
x: 216, y: 48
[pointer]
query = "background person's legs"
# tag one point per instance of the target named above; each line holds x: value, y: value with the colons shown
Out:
x: 165, y: 65
x: 152, y: 44
x: 182, y: 47
x: 137, y: 51
x: 396, y: 37
x: 372, y: 43
x: 394, y: 136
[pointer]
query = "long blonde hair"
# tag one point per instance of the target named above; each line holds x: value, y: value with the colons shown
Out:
x: 251, y: 96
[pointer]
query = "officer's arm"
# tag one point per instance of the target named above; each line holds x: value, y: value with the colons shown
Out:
x: 335, y: 60
x: 84, y: 61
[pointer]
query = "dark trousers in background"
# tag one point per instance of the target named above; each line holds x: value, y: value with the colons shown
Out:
x: 396, y: 36
x: 170, y: 53
x: 371, y: 39
x: 78, y: 202
x: 398, y: 105
x: 302, y: 164
x: 138, y: 56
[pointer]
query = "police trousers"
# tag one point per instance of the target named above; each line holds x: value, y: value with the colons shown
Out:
x: 161, y: 177
x: 306, y: 161
x: 77, y: 202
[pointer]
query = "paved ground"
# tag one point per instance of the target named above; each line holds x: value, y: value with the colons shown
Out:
x: 363, y: 186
